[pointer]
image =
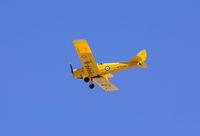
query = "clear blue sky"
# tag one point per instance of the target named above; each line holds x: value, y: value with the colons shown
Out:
x: 39, y: 96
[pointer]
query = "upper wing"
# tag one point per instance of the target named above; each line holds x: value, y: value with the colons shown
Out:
x: 105, y: 84
x: 86, y: 57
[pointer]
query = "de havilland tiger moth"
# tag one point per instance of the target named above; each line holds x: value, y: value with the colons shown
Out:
x: 92, y: 72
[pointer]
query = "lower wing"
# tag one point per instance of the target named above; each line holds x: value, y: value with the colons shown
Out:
x: 104, y: 83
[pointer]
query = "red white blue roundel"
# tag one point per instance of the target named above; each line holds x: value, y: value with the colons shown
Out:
x: 83, y: 56
x: 107, y: 68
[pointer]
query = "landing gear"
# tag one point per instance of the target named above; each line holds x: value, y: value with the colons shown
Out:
x: 90, y: 80
x: 91, y: 86
x: 86, y: 79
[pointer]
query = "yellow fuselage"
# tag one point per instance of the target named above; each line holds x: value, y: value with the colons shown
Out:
x: 104, y: 68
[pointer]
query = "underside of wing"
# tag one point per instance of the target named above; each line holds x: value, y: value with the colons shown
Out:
x: 109, y: 75
x: 86, y: 57
x: 105, y: 84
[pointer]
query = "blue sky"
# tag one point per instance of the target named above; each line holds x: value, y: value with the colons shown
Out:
x: 39, y: 96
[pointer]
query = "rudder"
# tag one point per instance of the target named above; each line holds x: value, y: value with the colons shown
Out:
x: 140, y: 59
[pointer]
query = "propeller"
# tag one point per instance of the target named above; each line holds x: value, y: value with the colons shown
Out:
x: 71, y: 68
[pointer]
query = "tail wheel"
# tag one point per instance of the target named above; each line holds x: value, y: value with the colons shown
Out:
x: 86, y: 79
x: 91, y: 86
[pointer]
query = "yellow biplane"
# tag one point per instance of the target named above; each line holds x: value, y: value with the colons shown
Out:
x: 100, y: 73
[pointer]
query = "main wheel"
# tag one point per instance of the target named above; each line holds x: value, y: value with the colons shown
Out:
x: 91, y: 86
x: 86, y: 79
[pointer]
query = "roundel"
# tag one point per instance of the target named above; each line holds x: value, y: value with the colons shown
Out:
x: 107, y: 68
x: 83, y: 56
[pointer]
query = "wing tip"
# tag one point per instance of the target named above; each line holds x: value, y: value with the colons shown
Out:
x: 110, y: 90
x: 79, y: 41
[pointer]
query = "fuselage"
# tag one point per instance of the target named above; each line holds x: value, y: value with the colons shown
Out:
x: 104, y: 68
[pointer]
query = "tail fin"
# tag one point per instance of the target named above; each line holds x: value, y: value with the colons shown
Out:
x: 140, y: 58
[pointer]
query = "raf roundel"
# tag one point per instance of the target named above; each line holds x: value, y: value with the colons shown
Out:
x: 83, y: 56
x: 107, y: 68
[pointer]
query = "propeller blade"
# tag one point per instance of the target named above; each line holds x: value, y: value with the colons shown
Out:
x: 71, y: 68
